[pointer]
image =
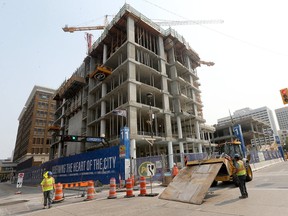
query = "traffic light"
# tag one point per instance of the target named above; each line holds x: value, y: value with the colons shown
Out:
x: 70, y: 138
x: 284, y: 95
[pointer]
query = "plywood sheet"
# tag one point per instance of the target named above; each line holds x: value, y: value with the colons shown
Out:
x: 191, y: 184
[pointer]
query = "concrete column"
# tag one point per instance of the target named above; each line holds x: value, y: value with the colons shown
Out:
x: 131, y: 69
x: 130, y: 29
x: 103, y: 110
x: 133, y: 148
x: 162, y: 55
x: 252, y: 127
x: 197, y: 129
x: 179, y: 127
x: 167, y: 125
x: 132, y: 97
x: 194, y: 149
x: 180, y: 135
x: 200, y: 148
x: 103, y: 103
x: 131, y: 52
x: 196, y: 125
x: 209, y: 140
x: 187, y: 148
x: 181, y: 148
x: 104, y: 53
x: 132, y: 122
x: 62, y: 125
x: 170, y: 154
x: 133, y: 155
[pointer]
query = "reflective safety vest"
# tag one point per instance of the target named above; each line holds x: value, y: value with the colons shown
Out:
x: 48, y: 183
x: 175, y: 171
x: 241, y: 170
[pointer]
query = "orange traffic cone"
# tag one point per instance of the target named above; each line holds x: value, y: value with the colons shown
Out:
x: 112, y: 191
x: 90, y: 191
x: 142, y: 186
x: 129, y: 189
x: 58, y: 193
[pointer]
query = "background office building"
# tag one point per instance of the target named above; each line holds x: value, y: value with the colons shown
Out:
x: 33, y: 138
x: 146, y: 72
x: 265, y: 117
x: 282, y: 117
x: 252, y: 131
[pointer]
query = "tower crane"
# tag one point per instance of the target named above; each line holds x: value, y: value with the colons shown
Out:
x: 161, y: 23
x: 88, y: 28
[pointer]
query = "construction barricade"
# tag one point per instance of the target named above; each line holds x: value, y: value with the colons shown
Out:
x: 129, y: 189
x: 142, y: 186
x: 90, y: 191
x: 59, y: 196
x: 112, y: 190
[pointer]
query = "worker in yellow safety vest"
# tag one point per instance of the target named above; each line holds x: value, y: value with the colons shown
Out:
x: 240, y: 172
x: 48, y: 185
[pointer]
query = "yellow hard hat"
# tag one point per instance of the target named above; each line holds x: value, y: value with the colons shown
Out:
x: 45, y: 175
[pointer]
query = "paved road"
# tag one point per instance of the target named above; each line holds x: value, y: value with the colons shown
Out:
x: 267, y: 196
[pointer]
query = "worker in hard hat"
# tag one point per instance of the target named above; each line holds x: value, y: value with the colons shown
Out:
x: 240, y: 171
x: 175, y: 170
x: 48, y: 184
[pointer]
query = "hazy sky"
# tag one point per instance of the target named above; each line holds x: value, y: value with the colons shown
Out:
x: 249, y: 50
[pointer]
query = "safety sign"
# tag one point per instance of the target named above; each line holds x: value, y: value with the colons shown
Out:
x: 150, y: 169
x: 20, y: 180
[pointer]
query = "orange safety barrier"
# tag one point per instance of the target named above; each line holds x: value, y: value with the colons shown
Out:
x: 129, y: 188
x: 83, y: 184
x: 90, y: 191
x: 112, y: 191
x: 75, y: 184
x: 142, y: 186
x: 58, y: 193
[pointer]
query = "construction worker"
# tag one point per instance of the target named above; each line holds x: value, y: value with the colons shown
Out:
x: 240, y: 172
x: 48, y: 185
x: 175, y: 170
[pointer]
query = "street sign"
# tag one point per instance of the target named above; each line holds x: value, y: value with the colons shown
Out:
x: 94, y: 139
x: 122, y: 151
x: 150, y: 169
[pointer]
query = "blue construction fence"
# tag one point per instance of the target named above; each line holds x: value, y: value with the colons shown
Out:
x: 100, y: 165
x: 103, y: 164
x: 162, y: 167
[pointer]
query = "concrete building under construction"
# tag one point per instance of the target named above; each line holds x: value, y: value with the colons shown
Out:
x: 148, y: 74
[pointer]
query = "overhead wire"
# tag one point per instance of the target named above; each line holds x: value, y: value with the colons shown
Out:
x: 219, y: 32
